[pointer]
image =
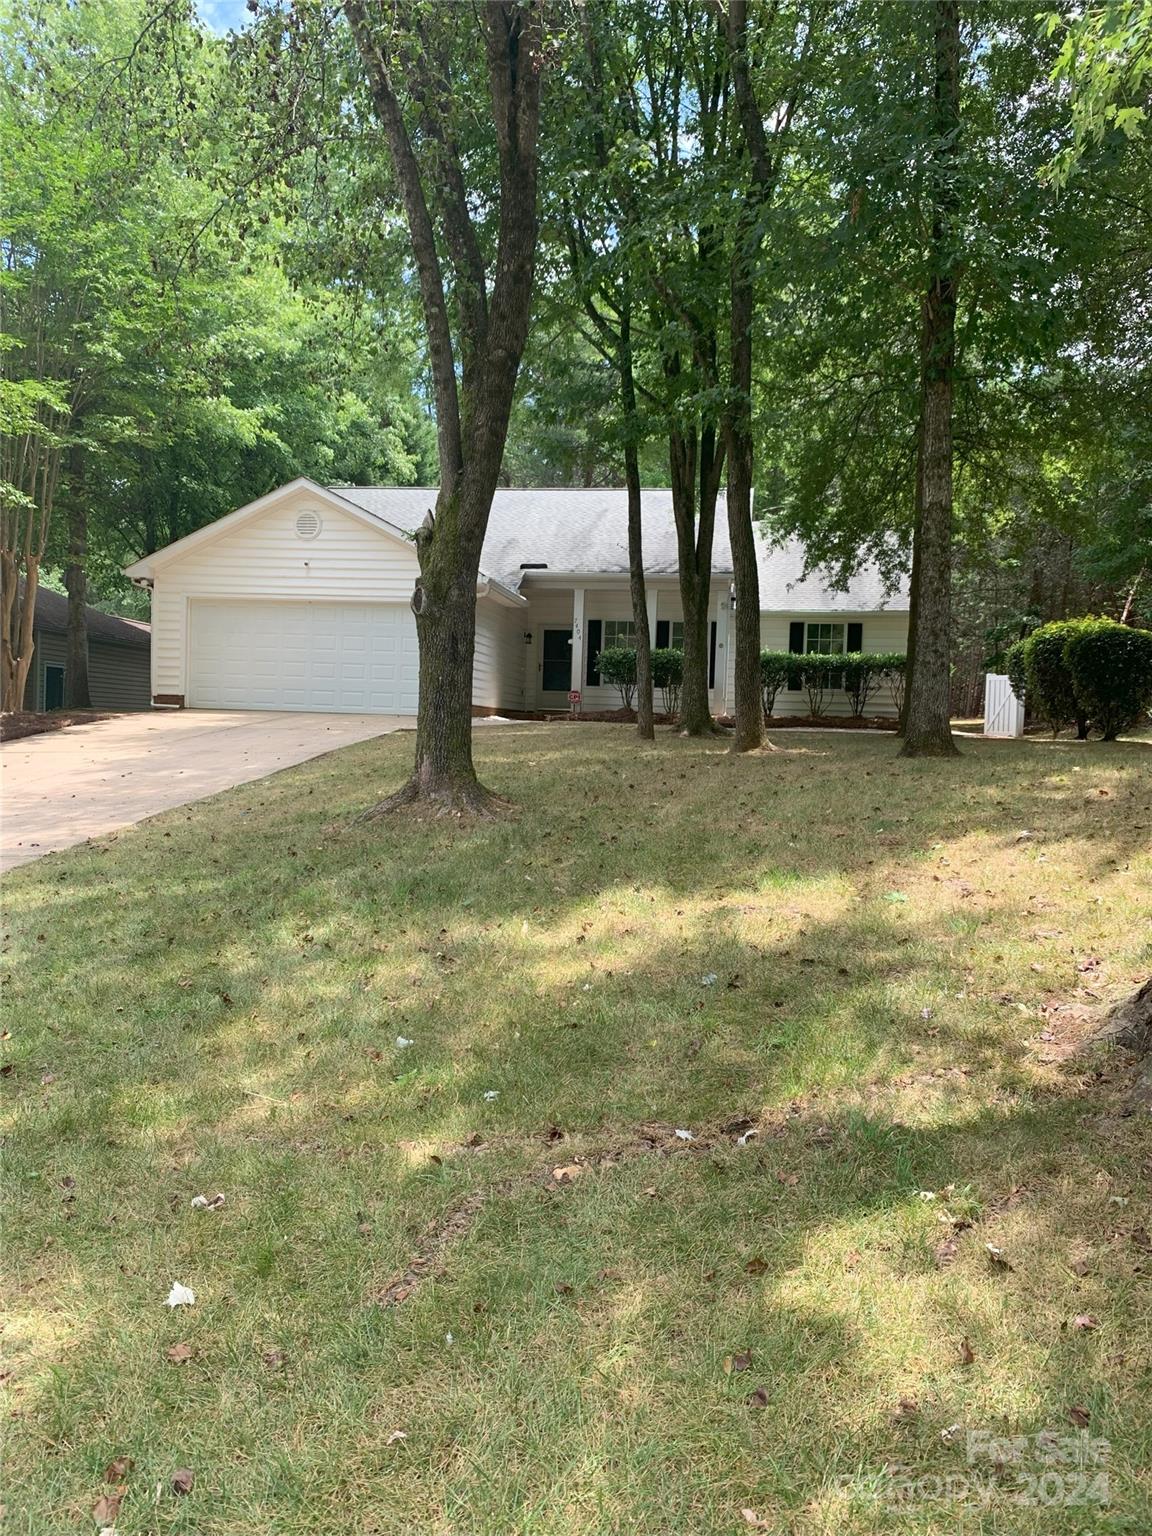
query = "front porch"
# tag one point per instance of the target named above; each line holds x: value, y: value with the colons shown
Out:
x: 565, y: 627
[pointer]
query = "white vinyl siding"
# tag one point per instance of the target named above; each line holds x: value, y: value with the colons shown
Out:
x: 498, y: 669
x: 264, y: 558
x: 263, y: 565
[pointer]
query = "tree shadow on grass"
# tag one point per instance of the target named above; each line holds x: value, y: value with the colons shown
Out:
x: 217, y: 999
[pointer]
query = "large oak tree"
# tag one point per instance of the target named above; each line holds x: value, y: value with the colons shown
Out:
x: 419, y: 64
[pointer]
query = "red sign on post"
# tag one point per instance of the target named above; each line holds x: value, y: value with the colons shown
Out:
x: 574, y: 700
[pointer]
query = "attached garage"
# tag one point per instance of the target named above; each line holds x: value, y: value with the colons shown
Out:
x: 360, y: 658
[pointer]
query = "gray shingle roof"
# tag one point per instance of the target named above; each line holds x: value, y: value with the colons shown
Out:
x: 585, y: 532
x: 52, y: 618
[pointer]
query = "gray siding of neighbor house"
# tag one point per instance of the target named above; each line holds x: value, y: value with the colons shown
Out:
x: 119, y: 675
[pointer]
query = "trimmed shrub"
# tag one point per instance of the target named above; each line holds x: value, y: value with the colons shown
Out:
x: 1110, y: 669
x: 893, y: 668
x: 1013, y: 660
x: 863, y: 677
x: 1048, y: 685
x: 861, y: 674
x: 616, y: 665
x: 667, y: 675
x: 819, y: 674
x: 774, y: 669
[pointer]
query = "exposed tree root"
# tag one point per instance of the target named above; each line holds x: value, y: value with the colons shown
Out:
x: 1128, y: 1023
x: 468, y: 799
x: 437, y: 1236
x: 652, y: 1139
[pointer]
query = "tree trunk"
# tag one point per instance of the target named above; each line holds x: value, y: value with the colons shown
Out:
x: 16, y: 639
x: 695, y: 473
x: 927, y: 724
x: 745, y: 632
x: 77, y: 693
x: 474, y: 381
x: 645, y: 716
x: 645, y: 722
x: 444, y: 603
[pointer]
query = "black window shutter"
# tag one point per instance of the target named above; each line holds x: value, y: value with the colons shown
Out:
x: 663, y: 634
x: 795, y: 644
x: 712, y: 655
x: 595, y: 629
x: 855, y: 638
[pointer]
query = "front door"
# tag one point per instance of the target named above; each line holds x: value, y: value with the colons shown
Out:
x: 556, y: 661
x: 53, y: 687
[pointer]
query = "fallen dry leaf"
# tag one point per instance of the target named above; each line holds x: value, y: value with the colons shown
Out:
x: 1080, y: 1417
x: 996, y: 1257
x: 757, y: 1266
x: 397, y: 1434
x: 182, y: 1480
x: 273, y: 1359
x: 1085, y: 1322
x: 180, y: 1354
x: 107, y: 1507
x: 758, y: 1398
x: 567, y: 1173
x: 967, y: 1353
x: 738, y: 1362
x: 117, y: 1470
x: 907, y: 1408
x: 752, y: 1518
x: 788, y: 1178
x: 945, y: 1253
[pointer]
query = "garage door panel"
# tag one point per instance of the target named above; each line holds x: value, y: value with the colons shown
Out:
x: 355, y: 657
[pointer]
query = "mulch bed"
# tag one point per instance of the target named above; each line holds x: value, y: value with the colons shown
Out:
x: 833, y: 722
x: 776, y: 723
x: 26, y: 722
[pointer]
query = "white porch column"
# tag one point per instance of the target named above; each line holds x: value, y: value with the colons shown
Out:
x: 723, y: 629
x: 578, y: 639
x: 651, y: 597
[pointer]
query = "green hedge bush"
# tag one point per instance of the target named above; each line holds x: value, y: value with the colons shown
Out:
x: 1111, y: 669
x: 1048, y: 685
x: 1095, y: 674
x: 861, y: 674
x: 775, y: 667
x: 667, y: 675
x: 616, y: 665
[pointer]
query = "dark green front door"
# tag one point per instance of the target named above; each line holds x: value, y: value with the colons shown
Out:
x: 53, y: 687
x: 556, y: 661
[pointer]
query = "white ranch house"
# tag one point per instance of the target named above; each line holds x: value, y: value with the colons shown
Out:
x: 299, y: 601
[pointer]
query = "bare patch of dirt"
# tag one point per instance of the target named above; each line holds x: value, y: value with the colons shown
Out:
x: 17, y: 723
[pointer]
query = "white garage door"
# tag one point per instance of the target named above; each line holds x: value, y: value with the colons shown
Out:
x: 355, y: 657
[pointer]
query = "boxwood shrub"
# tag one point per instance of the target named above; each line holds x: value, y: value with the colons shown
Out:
x: 1093, y: 673
x: 1110, y: 666
x: 775, y: 667
x: 667, y: 675
x: 616, y: 665
x: 861, y: 674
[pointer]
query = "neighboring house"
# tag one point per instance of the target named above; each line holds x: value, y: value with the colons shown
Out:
x: 301, y: 601
x: 119, y: 674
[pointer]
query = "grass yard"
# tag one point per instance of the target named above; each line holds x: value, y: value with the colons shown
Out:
x: 477, y: 1285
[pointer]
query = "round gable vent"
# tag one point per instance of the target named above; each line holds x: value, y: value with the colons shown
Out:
x: 308, y: 525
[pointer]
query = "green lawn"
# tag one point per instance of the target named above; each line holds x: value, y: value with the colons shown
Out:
x: 850, y: 951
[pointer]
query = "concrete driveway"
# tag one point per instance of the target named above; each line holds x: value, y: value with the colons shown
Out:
x: 66, y: 786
